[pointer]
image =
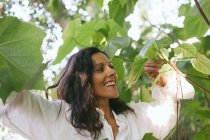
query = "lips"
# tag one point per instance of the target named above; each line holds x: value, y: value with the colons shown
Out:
x: 110, y: 83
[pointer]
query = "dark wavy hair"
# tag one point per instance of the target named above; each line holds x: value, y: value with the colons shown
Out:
x: 75, y: 87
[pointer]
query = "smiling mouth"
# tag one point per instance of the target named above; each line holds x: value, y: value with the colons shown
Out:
x: 110, y: 83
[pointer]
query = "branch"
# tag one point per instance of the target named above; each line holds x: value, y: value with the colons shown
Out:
x: 207, y: 100
x: 198, y: 85
x: 202, y: 13
x: 196, y: 76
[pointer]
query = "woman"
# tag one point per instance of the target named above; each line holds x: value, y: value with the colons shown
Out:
x: 90, y: 107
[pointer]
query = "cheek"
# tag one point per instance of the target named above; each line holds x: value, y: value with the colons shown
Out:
x: 97, y: 89
x: 97, y: 85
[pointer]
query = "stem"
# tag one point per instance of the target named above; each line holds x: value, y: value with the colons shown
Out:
x: 177, y: 106
x: 202, y: 13
x: 198, y: 85
x: 207, y: 100
x: 203, y: 78
x: 172, y: 35
x: 177, y: 119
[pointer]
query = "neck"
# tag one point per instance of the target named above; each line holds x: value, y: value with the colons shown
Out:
x: 105, y: 107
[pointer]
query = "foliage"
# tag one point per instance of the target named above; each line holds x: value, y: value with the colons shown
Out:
x: 20, y: 56
x: 20, y: 59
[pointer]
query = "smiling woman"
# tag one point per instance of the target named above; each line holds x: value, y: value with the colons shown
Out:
x: 104, y: 77
x: 89, y: 107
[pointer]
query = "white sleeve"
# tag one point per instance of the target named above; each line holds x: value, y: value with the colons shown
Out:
x: 160, y: 116
x: 34, y: 117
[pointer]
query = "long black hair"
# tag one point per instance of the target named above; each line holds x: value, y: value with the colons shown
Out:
x: 75, y: 87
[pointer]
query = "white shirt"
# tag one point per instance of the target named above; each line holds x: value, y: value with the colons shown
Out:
x: 37, y: 119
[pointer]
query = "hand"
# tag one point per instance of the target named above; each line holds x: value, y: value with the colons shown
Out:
x: 151, y: 68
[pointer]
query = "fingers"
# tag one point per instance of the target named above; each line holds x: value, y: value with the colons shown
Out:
x: 152, y: 68
x: 162, y: 81
x: 152, y: 75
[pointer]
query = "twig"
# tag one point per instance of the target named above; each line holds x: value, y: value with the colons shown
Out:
x: 202, y: 13
x: 207, y: 100
x: 196, y: 76
x: 198, y: 85
x: 172, y: 35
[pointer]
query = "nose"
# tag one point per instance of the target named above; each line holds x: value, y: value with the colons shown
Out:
x: 111, y: 71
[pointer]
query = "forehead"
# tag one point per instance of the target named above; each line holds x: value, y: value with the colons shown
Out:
x: 99, y: 58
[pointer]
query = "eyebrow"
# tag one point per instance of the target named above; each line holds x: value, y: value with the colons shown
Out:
x: 109, y: 62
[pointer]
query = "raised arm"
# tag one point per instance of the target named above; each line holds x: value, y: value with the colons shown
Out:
x: 160, y: 116
x: 34, y: 117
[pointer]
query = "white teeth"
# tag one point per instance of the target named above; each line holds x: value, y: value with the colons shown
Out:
x: 110, y: 84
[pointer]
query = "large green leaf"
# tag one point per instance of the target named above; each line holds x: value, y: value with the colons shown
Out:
x: 185, y: 51
x: 149, y: 50
x: 115, y: 29
x: 68, y: 39
x: 152, y: 52
x: 118, y: 66
x: 99, y: 2
x: 119, y: 9
x: 117, y: 12
x: 125, y: 93
x: 201, y: 63
x: 136, y: 70
x: 123, y: 2
x: 115, y: 44
x: 194, y: 24
x: 20, y: 56
x: 203, y: 46
x: 206, y: 7
x: 86, y: 35
x: 149, y: 136
x: 53, y: 6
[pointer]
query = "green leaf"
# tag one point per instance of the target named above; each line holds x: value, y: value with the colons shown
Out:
x: 129, y: 53
x: 20, y: 56
x: 123, y: 2
x: 145, y: 95
x: 99, y: 2
x: 149, y: 48
x: 116, y: 43
x: 151, y: 52
x: 86, y: 35
x: 203, y: 46
x: 201, y: 63
x: 115, y: 29
x: 164, y: 42
x: 194, y: 24
x: 53, y: 6
x: 119, y: 9
x: 68, y: 38
x: 118, y: 66
x: 205, y: 7
x: 185, y: 51
x: 164, y: 54
x: 117, y: 12
x: 203, y: 113
x: 136, y: 70
x: 148, y: 136
x: 125, y: 93
x: 202, y: 135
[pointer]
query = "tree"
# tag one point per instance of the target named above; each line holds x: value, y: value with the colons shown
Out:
x: 20, y: 44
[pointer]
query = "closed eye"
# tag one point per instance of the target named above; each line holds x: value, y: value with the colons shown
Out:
x: 111, y: 65
x: 99, y: 68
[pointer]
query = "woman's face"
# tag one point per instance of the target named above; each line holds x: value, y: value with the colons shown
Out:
x: 104, y: 77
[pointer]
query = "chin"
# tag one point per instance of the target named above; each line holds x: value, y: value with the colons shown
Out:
x: 115, y: 95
